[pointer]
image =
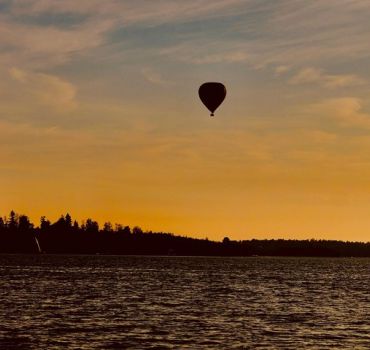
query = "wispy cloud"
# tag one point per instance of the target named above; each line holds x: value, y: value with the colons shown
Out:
x: 139, y: 11
x: 317, y: 76
x: 347, y: 112
x: 29, y: 38
x: 280, y: 33
x: 39, y: 46
x: 45, y: 89
x: 227, y: 57
x: 315, y: 31
x: 280, y: 70
x: 285, y: 33
x: 154, y: 77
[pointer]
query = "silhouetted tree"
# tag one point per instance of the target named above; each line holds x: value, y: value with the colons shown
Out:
x: 75, y: 225
x: 12, y: 221
x: 18, y: 236
x: 107, y: 227
x: 91, y: 226
x: 68, y: 221
x: 226, y: 240
x: 126, y: 230
x: 24, y: 223
x: 118, y: 227
x: 137, y: 230
x: 61, y: 223
x: 44, y: 223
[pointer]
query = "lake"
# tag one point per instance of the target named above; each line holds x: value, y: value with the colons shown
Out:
x: 141, y: 302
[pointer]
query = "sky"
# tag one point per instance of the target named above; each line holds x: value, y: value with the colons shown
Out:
x: 100, y: 115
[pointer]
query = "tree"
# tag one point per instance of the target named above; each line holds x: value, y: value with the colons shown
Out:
x: 137, y: 230
x: 118, y: 227
x: 44, y: 223
x: 75, y: 225
x: 24, y: 223
x: 68, y: 221
x: 107, y: 227
x: 83, y: 226
x: 61, y: 223
x: 12, y: 221
x: 92, y: 226
x: 126, y: 230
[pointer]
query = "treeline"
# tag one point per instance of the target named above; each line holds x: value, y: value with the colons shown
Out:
x: 66, y: 236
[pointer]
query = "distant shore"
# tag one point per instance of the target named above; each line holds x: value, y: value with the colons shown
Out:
x: 19, y: 235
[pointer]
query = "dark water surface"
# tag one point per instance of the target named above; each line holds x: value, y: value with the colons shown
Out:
x: 116, y: 302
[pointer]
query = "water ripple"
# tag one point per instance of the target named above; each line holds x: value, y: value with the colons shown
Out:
x: 115, y: 302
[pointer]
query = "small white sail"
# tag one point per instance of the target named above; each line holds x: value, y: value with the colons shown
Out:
x: 38, y: 245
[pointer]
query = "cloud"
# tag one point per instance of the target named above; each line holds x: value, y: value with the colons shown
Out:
x: 29, y: 38
x: 154, y: 77
x: 226, y: 57
x: 39, y: 46
x: 313, y: 75
x: 318, y: 31
x: 307, y: 75
x: 18, y: 75
x: 346, y: 111
x: 46, y: 89
x: 280, y: 33
x: 129, y: 12
x: 284, y: 34
x: 195, y: 50
x: 280, y: 70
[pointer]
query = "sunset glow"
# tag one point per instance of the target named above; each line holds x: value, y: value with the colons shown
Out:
x: 100, y: 115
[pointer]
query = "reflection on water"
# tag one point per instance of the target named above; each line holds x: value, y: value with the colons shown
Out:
x: 115, y: 302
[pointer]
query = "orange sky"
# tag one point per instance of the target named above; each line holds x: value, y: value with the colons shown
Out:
x: 99, y: 116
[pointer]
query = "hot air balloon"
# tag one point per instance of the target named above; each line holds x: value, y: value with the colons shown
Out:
x: 212, y: 95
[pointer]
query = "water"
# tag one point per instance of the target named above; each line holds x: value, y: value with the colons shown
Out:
x: 116, y: 302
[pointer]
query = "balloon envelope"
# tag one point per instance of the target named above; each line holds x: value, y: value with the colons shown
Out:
x: 212, y: 95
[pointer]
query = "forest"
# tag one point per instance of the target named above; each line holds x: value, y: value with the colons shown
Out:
x: 18, y: 235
